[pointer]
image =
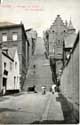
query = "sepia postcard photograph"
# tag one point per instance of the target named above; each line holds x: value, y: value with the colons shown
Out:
x: 39, y: 61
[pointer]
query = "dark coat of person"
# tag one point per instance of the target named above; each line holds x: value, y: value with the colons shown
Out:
x: 53, y: 69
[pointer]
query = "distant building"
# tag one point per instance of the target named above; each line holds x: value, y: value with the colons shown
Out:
x: 59, y: 40
x: 46, y: 42
x: 14, y: 35
x: 32, y: 37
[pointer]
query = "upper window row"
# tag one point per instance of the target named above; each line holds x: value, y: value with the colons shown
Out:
x: 14, y: 37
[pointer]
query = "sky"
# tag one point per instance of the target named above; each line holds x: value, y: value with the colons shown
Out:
x: 40, y: 14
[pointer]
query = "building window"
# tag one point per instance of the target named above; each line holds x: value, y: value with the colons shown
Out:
x: 4, y: 65
x: 14, y: 81
x: 15, y: 65
x: 10, y: 65
x: 17, y: 79
x: 14, y: 36
x: 58, y: 41
x: 4, y: 37
x: 53, y: 50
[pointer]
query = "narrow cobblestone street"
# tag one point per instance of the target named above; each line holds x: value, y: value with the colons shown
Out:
x: 29, y: 107
x: 42, y: 74
x: 34, y: 108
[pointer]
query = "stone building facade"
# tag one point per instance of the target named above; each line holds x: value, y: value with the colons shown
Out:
x: 32, y: 38
x: 14, y: 35
x: 10, y: 70
x: 70, y: 80
x: 58, y: 40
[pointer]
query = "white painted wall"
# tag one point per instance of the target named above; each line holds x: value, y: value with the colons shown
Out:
x: 12, y: 73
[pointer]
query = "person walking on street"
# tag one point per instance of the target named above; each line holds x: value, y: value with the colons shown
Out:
x: 43, y: 90
x: 53, y: 88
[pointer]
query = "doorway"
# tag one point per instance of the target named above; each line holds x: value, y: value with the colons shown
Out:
x: 4, y: 86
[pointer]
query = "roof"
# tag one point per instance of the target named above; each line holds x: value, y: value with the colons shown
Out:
x: 27, y: 30
x: 76, y: 41
x: 69, y: 40
x: 5, y: 53
x: 70, y: 27
x: 6, y: 23
x: 7, y: 56
x: 9, y: 52
x: 12, y: 51
x: 58, y: 24
x: 58, y: 20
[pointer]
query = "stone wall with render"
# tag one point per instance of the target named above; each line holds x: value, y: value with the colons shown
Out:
x: 70, y: 80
